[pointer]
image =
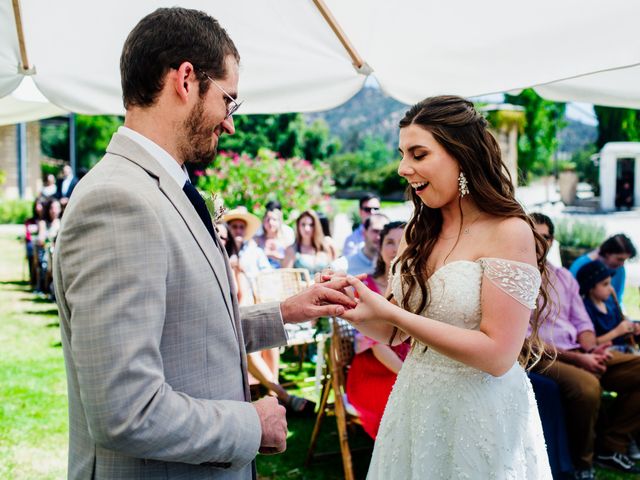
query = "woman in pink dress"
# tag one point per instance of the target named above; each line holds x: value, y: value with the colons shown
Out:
x: 375, y: 365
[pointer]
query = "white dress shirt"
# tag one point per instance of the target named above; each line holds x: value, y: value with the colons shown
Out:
x: 174, y: 169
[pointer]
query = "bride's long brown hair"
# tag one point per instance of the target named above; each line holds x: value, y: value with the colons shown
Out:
x: 463, y: 133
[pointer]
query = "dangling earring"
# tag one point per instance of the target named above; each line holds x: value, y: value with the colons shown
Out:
x: 463, y: 187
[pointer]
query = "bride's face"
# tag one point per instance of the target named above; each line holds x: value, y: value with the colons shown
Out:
x: 428, y: 167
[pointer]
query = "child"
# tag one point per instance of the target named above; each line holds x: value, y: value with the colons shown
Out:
x: 603, y: 308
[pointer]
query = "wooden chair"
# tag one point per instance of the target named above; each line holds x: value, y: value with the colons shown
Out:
x: 276, y: 285
x: 339, y: 356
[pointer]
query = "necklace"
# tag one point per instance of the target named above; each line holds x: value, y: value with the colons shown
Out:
x: 465, y: 231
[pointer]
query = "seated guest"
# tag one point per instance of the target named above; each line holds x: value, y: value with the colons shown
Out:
x: 272, y: 239
x: 48, y: 228
x: 243, y: 226
x: 364, y: 259
x: 326, y: 230
x: 551, y: 410
x: 374, y: 367
x: 603, y: 309
x: 49, y: 188
x: 66, y: 183
x: 582, y: 370
x: 368, y: 204
x: 613, y: 252
x: 31, y: 227
x: 310, y: 250
x: 242, y: 283
x: 288, y: 235
x: 263, y: 366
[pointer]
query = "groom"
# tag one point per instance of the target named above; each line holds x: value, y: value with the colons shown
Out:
x: 154, y: 342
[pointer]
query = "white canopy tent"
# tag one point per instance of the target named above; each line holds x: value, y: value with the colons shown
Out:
x: 293, y: 61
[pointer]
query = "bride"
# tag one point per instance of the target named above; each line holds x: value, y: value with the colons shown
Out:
x: 465, y: 281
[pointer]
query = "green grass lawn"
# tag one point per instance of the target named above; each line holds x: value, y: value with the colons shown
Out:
x: 328, y: 466
x: 632, y: 302
x: 33, y: 403
x: 33, y: 396
x: 33, y: 392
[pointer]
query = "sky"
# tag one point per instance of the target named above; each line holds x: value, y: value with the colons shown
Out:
x: 582, y: 112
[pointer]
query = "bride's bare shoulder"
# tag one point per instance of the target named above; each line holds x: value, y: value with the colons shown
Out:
x: 512, y: 239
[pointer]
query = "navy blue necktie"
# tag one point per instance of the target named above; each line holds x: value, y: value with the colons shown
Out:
x: 201, y: 207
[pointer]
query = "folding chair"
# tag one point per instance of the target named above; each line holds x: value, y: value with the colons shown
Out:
x: 340, y: 354
x: 277, y: 285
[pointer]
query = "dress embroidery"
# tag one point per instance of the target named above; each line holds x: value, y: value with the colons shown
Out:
x: 519, y: 280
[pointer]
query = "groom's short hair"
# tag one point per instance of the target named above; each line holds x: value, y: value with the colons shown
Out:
x: 165, y: 39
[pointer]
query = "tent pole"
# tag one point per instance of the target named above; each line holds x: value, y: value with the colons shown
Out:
x: 357, y: 60
x: 23, y: 48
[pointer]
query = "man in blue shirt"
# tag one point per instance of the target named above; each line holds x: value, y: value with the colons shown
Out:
x: 369, y: 205
x: 364, y: 259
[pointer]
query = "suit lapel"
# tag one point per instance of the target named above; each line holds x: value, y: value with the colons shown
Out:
x: 127, y: 148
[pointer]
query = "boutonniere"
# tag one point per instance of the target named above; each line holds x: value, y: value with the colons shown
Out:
x: 215, y: 205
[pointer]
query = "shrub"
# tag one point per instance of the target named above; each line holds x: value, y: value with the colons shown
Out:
x: 579, y: 234
x: 15, y: 211
x: 296, y: 183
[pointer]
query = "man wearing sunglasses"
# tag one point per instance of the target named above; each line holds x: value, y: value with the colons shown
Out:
x: 154, y: 341
x: 369, y: 204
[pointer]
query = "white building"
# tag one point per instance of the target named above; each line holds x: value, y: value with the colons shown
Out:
x: 619, y: 175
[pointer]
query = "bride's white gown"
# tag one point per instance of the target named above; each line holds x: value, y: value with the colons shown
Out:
x: 445, y: 420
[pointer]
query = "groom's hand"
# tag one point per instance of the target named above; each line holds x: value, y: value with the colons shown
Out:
x: 326, y: 299
x: 273, y: 422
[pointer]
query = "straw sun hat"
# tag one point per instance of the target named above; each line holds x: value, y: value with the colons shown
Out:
x: 253, y: 222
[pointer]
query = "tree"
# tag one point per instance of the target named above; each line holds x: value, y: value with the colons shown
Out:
x: 373, y: 166
x: 252, y: 181
x: 617, y: 125
x: 544, y: 119
x: 93, y: 133
x: 286, y: 133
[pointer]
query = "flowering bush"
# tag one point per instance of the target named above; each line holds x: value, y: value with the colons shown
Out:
x: 296, y: 183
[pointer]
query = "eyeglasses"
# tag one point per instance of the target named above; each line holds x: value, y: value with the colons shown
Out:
x: 232, y: 105
x: 370, y: 209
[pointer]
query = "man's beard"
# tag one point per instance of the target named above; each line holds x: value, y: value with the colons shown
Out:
x: 196, y: 147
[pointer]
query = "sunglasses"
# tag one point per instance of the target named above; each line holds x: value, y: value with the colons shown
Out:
x: 370, y: 209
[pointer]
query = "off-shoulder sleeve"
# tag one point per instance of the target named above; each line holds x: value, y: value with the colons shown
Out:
x: 520, y: 281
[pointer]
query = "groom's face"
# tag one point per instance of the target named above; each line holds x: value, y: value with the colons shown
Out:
x: 208, y: 121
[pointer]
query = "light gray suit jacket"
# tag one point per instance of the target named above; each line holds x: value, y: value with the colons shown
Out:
x: 154, y: 343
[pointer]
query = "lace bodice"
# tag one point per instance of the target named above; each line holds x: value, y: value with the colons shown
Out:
x: 455, y: 288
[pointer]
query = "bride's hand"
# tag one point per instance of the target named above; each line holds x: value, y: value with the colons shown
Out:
x: 371, y: 307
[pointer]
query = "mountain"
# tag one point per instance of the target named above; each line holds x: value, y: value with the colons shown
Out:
x: 576, y: 136
x: 369, y: 113
x: 372, y: 113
